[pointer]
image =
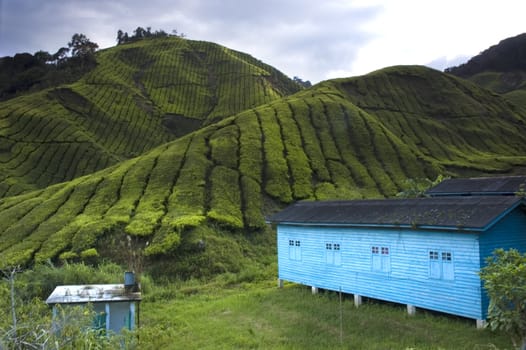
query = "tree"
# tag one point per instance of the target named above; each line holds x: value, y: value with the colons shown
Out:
x: 81, y: 46
x: 60, y: 55
x: 43, y: 56
x: 504, y: 279
x: 305, y: 84
x: 120, y: 37
x: 140, y: 33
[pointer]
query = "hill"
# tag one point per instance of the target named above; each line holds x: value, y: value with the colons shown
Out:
x: 500, y: 68
x: 139, y: 95
x: 186, y: 203
x: 508, y: 55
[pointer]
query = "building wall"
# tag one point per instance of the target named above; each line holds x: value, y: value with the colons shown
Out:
x: 406, y: 273
x: 119, y: 316
x: 507, y: 233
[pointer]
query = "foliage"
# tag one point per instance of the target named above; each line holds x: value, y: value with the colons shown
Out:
x: 416, y: 188
x: 304, y: 83
x: 81, y: 46
x: 25, y: 73
x: 141, y: 33
x: 508, y: 55
x: 504, y: 279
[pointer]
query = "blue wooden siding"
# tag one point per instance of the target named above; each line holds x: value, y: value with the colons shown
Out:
x: 506, y: 234
x: 404, y: 275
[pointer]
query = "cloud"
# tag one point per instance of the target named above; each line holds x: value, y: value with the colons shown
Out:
x: 314, y: 40
x: 300, y: 37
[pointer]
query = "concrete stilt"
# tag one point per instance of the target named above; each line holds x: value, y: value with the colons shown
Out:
x: 481, y: 324
x: 280, y: 283
x: 357, y: 300
x: 411, y: 310
x: 314, y: 290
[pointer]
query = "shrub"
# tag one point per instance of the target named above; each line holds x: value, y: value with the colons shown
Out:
x: 505, y: 282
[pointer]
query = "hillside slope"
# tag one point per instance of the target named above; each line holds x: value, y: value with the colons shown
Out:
x: 346, y: 138
x: 500, y: 68
x: 459, y: 125
x: 139, y: 96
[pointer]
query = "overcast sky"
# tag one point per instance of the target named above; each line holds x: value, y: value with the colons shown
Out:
x: 312, y: 39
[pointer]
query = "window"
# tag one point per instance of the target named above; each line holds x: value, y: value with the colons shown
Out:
x: 294, y: 249
x: 441, y: 265
x: 380, y: 259
x: 332, y: 253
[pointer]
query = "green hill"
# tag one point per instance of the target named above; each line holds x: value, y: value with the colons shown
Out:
x: 453, y: 122
x: 188, y: 202
x: 140, y: 95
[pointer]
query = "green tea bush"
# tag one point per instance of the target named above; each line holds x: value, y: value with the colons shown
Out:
x: 250, y: 147
x: 225, y: 201
x: 252, y: 210
x: 276, y: 170
x: 311, y: 143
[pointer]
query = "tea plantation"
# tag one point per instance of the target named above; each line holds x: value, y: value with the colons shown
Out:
x: 140, y: 95
x: 193, y: 197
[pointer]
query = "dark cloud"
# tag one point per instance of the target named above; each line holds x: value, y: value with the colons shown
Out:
x: 300, y: 37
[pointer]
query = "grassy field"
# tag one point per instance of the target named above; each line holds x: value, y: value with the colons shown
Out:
x: 258, y: 315
x: 244, y: 310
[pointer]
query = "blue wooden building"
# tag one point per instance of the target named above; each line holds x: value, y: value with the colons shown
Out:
x: 424, y: 252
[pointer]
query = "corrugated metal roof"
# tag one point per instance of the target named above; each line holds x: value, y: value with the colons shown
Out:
x: 91, y: 293
x: 454, y: 213
x: 503, y: 185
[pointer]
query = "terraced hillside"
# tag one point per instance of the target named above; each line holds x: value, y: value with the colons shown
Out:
x: 141, y: 95
x: 459, y: 125
x: 346, y: 138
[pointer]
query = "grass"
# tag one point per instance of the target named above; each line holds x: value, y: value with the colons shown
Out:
x: 246, y: 310
x: 248, y: 315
